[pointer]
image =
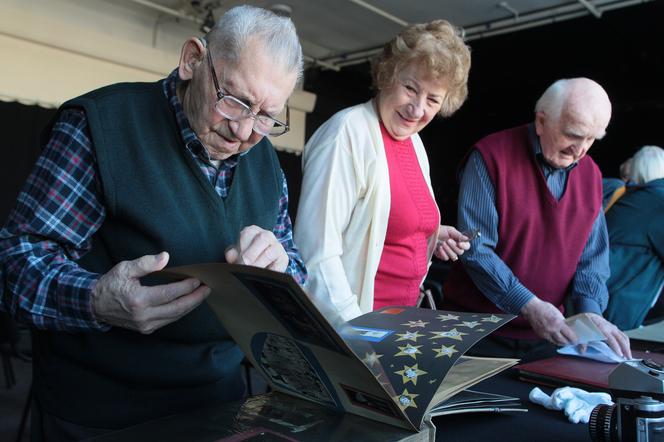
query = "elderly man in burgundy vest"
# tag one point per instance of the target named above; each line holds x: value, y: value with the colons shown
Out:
x: 537, y: 200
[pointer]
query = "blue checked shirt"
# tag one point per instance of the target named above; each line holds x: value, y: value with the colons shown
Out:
x: 477, y: 209
x: 60, y: 208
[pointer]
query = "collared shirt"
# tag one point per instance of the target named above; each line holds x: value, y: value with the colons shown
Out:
x: 61, y: 207
x: 477, y: 209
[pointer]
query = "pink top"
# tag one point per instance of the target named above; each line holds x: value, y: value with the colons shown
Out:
x: 413, y: 219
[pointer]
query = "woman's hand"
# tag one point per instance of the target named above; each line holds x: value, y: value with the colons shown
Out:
x: 451, y: 243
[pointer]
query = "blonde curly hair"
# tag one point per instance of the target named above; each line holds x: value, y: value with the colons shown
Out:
x: 437, y: 46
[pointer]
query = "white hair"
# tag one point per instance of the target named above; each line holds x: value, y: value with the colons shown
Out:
x: 648, y: 164
x: 552, y: 100
x: 277, y: 34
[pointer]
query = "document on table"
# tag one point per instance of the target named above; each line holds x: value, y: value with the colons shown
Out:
x: 590, y: 335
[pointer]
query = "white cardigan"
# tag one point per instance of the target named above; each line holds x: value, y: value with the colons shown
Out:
x: 344, y: 208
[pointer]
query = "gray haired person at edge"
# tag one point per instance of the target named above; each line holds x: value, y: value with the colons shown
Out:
x: 134, y: 177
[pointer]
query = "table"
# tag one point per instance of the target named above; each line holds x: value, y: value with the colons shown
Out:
x: 538, y: 424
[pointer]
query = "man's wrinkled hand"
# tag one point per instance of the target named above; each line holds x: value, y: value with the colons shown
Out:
x: 547, y: 322
x: 617, y: 340
x: 119, y: 299
x: 259, y: 248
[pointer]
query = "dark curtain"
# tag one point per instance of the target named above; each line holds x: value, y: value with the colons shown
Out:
x: 21, y: 126
x: 622, y: 51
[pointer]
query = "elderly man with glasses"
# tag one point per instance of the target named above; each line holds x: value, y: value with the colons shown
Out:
x: 134, y: 177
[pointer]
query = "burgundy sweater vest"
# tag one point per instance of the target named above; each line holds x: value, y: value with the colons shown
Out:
x: 540, y: 238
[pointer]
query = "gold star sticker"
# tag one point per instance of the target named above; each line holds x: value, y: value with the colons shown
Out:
x: 448, y: 317
x: 445, y: 351
x: 371, y: 358
x: 405, y: 399
x: 418, y: 323
x: 409, y: 350
x: 469, y: 324
x: 452, y: 334
x: 410, y: 374
x: 409, y: 336
x: 492, y: 318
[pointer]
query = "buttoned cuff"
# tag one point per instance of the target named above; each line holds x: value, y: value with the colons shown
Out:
x: 515, y: 299
x: 587, y: 305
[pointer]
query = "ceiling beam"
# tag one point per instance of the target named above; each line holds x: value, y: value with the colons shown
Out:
x: 593, y: 10
x: 169, y: 11
x: 503, y: 26
x: 321, y: 63
x: 507, y: 6
x: 381, y: 12
x: 179, y: 14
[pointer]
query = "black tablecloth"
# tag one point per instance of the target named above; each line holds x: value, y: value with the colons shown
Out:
x: 218, y: 423
x: 538, y: 424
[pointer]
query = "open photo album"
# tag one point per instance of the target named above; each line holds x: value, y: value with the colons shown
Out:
x: 397, y: 365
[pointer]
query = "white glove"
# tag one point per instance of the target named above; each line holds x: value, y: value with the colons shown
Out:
x: 577, y: 403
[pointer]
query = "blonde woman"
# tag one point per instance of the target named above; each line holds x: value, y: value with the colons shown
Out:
x: 367, y: 223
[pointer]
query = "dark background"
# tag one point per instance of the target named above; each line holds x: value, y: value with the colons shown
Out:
x: 623, y: 51
x: 20, y: 126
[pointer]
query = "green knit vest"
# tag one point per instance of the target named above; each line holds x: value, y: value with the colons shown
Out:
x: 156, y: 199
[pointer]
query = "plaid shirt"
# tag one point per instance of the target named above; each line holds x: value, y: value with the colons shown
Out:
x: 61, y: 207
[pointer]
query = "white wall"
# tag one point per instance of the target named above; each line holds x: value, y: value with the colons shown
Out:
x: 52, y: 50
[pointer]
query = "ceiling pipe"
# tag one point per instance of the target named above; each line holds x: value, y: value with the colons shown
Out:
x: 380, y: 12
x: 169, y: 11
x: 499, y: 27
x: 507, y: 6
x: 475, y: 36
x: 483, y: 29
x: 472, y: 33
x: 593, y: 10
x: 532, y: 17
x: 529, y: 25
x: 322, y: 63
x: 201, y: 21
x: 622, y: 4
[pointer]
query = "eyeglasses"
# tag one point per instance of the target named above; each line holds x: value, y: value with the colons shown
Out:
x: 235, y: 109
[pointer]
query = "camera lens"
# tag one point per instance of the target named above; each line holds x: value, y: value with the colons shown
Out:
x: 603, y: 423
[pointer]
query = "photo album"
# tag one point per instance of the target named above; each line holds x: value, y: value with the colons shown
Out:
x: 396, y: 365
